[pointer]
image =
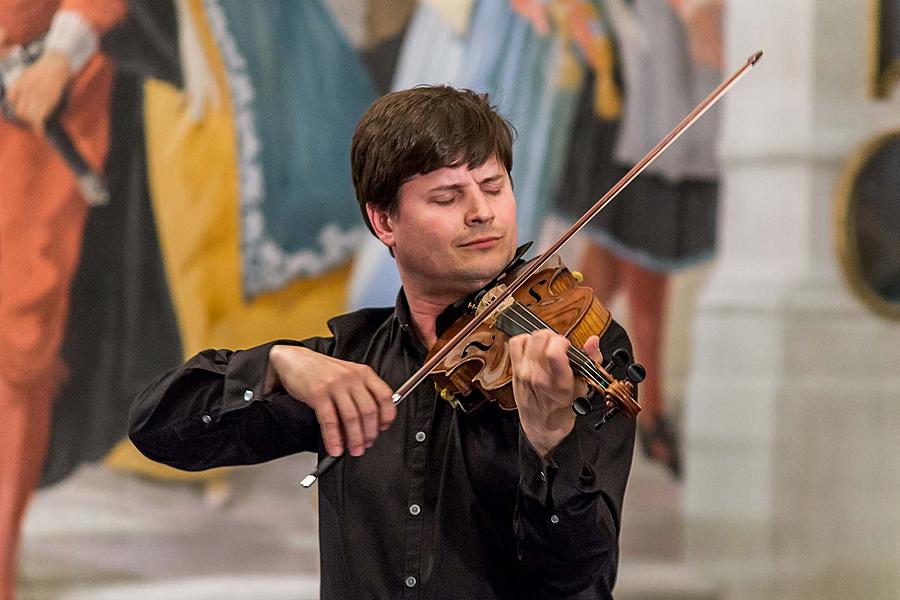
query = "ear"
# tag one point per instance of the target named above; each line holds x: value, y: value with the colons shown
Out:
x: 382, y: 223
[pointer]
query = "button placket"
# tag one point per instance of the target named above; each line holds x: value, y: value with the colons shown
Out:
x: 417, y: 452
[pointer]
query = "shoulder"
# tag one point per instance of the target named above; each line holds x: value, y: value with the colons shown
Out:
x: 364, y: 318
x: 614, y: 337
x: 354, y: 331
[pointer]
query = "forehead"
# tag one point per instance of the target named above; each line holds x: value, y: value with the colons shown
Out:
x: 460, y: 175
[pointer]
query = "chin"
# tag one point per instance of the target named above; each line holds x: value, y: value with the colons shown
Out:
x: 487, y: 267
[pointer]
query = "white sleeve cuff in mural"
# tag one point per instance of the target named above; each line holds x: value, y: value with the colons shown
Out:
x: 73, y: 36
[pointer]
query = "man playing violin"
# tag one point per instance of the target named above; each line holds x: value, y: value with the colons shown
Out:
x: 431, y: 501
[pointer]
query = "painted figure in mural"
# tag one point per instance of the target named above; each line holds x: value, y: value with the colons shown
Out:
x: 42, y: 216
x: 431, y: 500
x: 518, y: 52
x: 665, y: 221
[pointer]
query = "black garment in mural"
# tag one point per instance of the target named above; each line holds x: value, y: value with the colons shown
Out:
x: 121, y: 330
x: 659, y: 224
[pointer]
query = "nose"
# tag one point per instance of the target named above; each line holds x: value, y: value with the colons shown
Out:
x: 480, y: 209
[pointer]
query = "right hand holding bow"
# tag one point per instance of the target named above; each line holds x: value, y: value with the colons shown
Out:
x: 352, y: 404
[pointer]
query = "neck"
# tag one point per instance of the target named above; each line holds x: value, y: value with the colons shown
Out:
x: 424, y: 310
x: 425, y: 305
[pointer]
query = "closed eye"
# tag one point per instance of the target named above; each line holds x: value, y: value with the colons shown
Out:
x: 446, y: 199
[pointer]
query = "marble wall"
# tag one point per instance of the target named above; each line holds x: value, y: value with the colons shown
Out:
x: 792, y: 410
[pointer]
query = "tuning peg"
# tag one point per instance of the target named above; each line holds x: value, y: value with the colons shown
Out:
x: 583, y: 406
x: 636, y: 373
x: 587, y: 404
x: 621, y: 357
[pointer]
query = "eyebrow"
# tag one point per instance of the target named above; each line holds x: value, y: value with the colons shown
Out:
x: 457, y: 186
x: 492, y: 179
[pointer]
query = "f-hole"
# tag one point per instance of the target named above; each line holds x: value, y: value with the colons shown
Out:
x: 477, y: 344
x: 534, y: 294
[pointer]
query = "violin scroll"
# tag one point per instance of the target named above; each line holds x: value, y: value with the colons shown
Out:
x: 620, y: 394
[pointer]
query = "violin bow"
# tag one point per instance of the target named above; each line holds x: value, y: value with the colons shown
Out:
x: 410, y: 384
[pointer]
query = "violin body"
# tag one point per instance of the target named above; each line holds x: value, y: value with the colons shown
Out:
x: 482, y: 364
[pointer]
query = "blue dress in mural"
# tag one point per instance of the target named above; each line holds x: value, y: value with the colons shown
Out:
x: 297, y: 89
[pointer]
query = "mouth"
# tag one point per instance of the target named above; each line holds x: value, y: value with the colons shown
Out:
x: 482, y: 243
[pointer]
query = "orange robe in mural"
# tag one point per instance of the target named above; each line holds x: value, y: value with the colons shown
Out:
x: 42, y: 217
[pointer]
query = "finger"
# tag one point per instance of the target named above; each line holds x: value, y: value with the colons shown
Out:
x: 368, y: 411
x: 516, y: 348
x: 14, y: 99
x: 351, y: 422
x: 384, y: 397
x: 592, y: 349
x: 28, y: 113
x: 330, y: 425
x: 536, y: 347
x: 29, y: 110
x: 558, y: 359
x: 39, y: 117
x: 520, y: 357
x: 581, y: 388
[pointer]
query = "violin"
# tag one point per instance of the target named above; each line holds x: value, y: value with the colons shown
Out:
x: 472, y: 355
x: 480, y: 370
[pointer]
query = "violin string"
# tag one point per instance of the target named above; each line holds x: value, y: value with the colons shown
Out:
x: 579, y: 359
x: 581, y: 364
x: 576, y: 356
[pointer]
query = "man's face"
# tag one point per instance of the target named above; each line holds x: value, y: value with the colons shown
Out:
x: 454, y: 228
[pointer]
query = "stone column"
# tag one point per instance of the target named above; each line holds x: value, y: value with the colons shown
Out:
x: 792, y: 416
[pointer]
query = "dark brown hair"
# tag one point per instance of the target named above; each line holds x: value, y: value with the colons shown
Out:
x: 420, y: 130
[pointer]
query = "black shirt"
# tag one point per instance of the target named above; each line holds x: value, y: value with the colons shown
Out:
x: 444, y: 505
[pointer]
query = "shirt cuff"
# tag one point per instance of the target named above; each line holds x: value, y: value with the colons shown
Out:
x: 565, y: 473
x: 245, y: 376
x: 73, y: 36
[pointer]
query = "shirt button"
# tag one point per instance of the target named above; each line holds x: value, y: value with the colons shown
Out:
x: 543, y: 476
x: 415, y: 509
x: 554, y: 519
x: 420, y: 436
x: 248, y: 396
x: 410, y: 582
x: 206, y: 419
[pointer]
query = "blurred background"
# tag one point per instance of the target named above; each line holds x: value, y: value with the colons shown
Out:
x: 756, y: 265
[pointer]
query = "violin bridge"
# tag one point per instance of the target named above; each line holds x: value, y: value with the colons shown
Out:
x: 488, y: 297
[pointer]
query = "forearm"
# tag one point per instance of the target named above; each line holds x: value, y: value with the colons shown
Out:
x: 212, y: 411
